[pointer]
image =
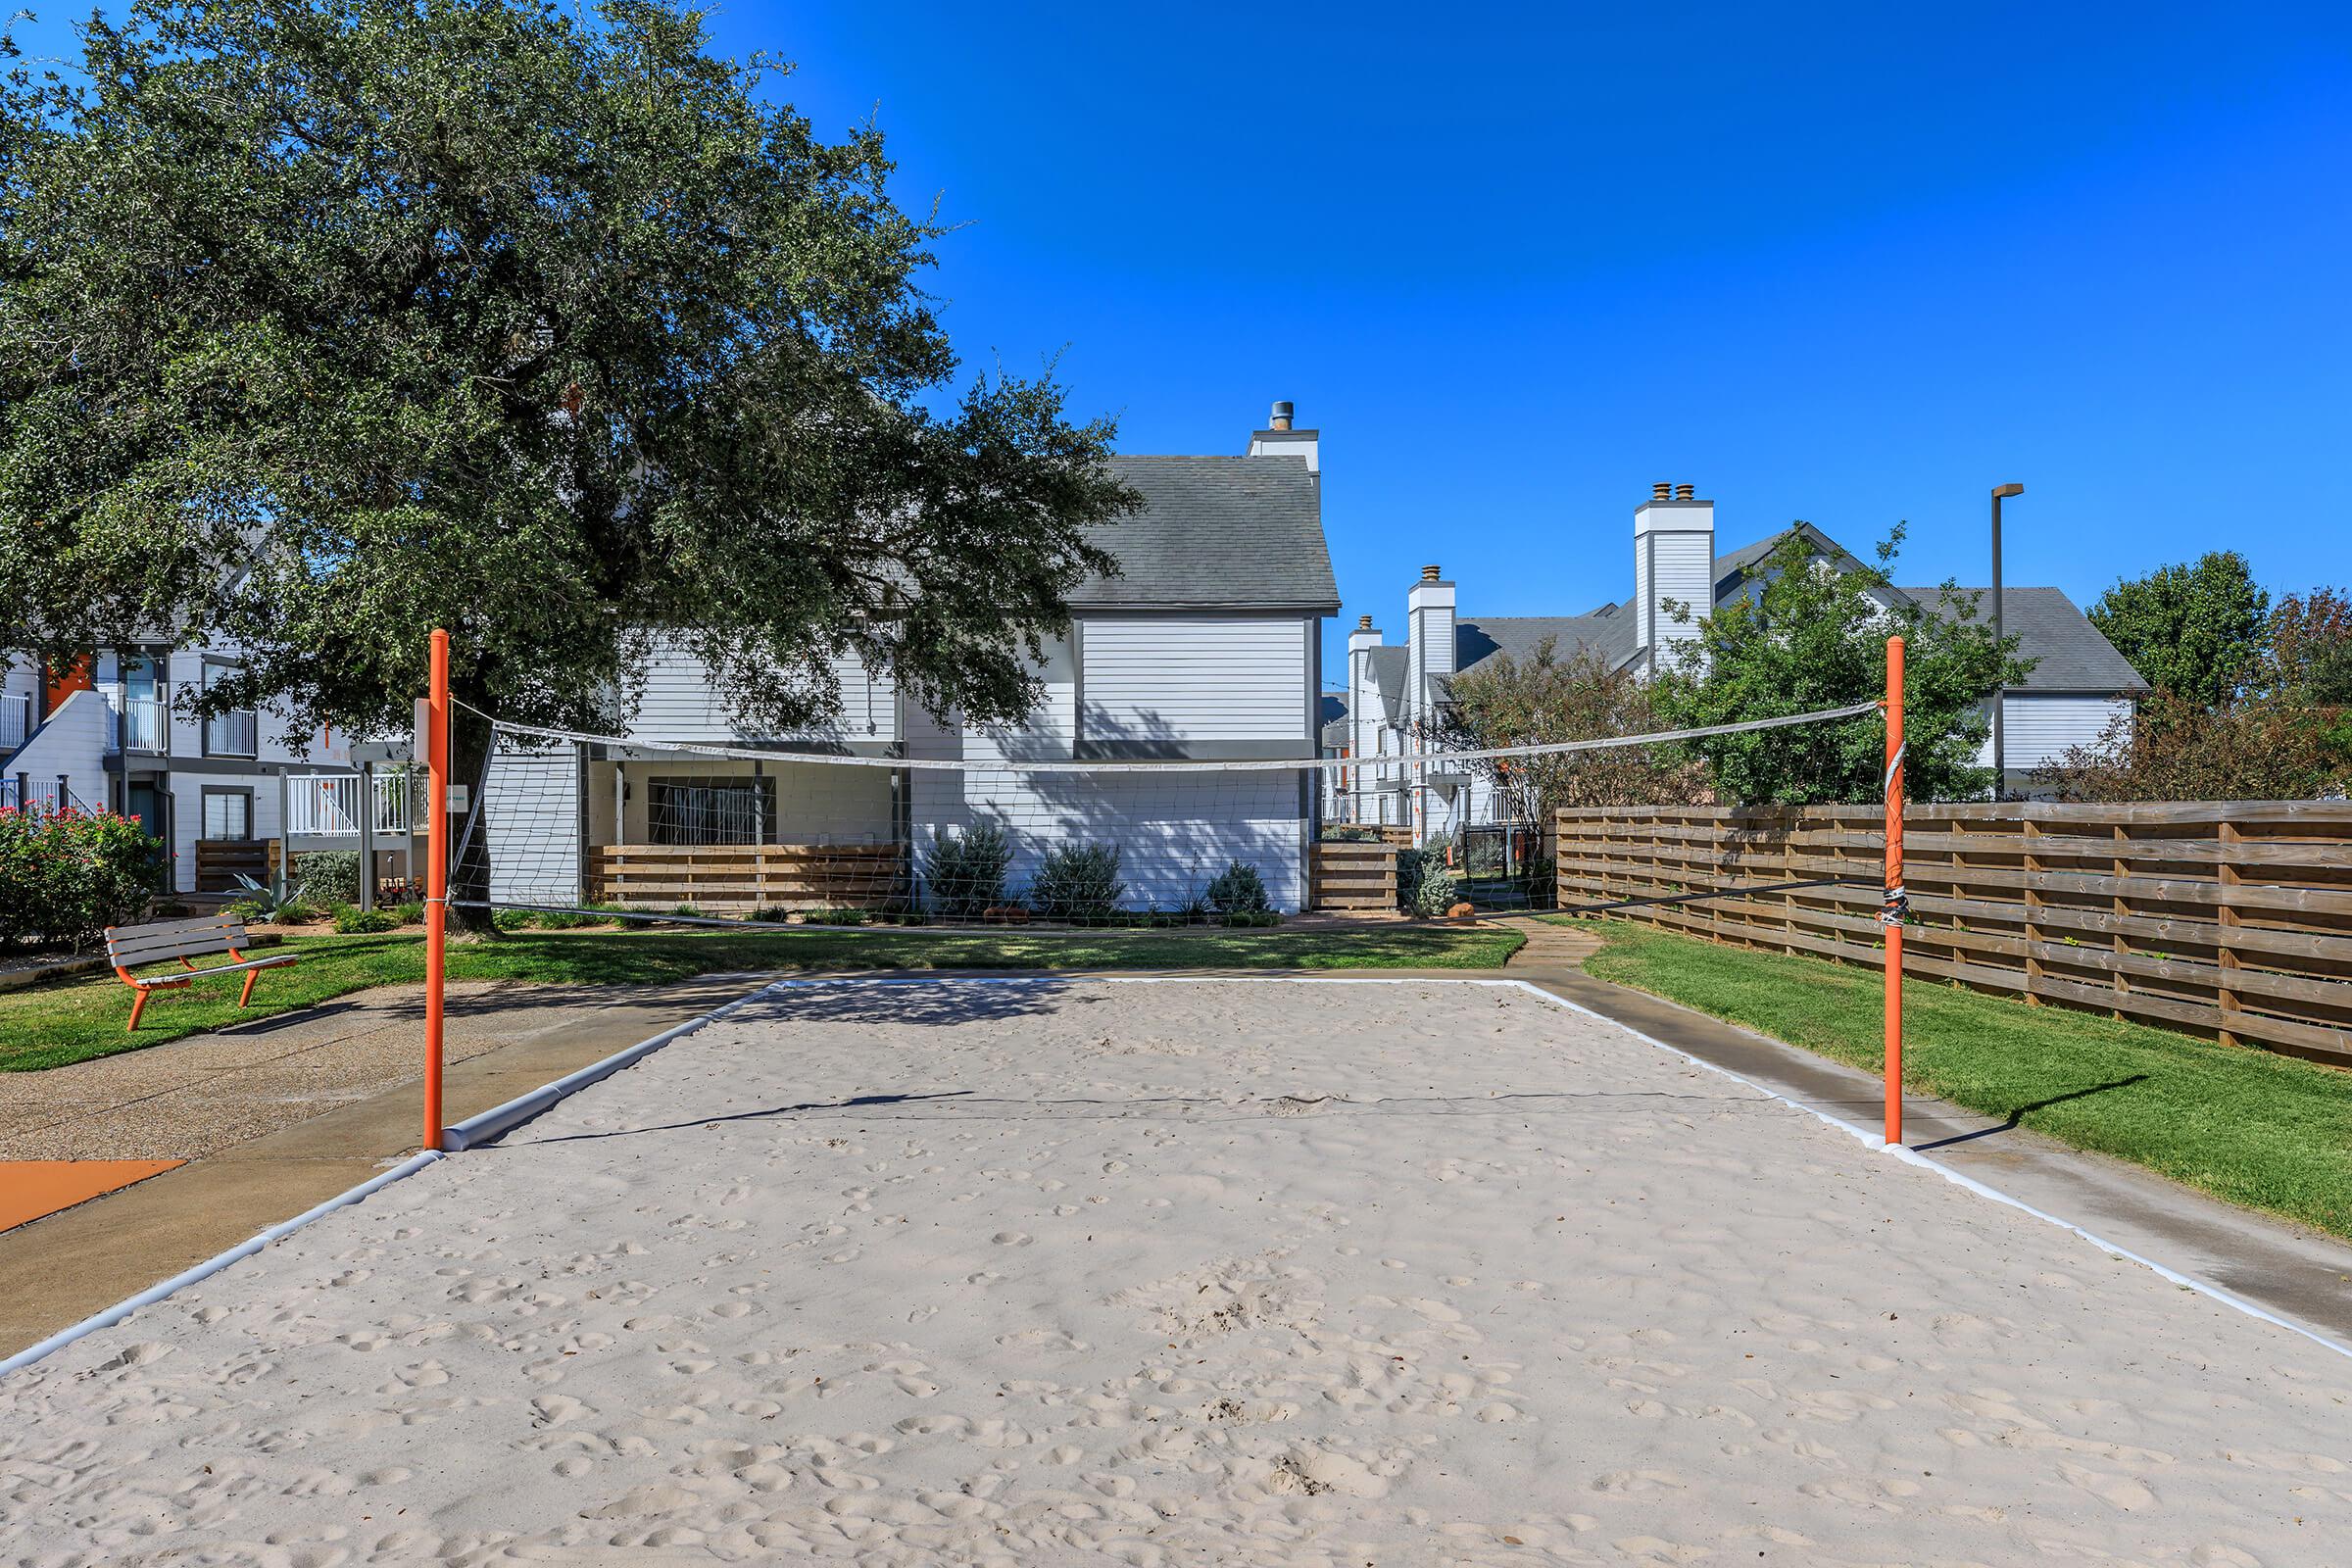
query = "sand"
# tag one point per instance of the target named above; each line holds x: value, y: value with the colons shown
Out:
x: 1180, y: 1273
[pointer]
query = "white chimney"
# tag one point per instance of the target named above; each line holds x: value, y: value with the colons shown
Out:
x: 1280, y: 440
x: 1429, y: 637
x: 1674, y: 563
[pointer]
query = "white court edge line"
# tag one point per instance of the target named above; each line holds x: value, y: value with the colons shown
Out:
x: 500, y: 1118
x: 466, y: 1134
x: 1869, y: 1137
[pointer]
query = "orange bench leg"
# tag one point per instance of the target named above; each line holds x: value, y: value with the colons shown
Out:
x: 245, y: 996
x: 138, y: 1005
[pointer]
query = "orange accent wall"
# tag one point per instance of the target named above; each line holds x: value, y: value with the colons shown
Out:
x: 75, y: 677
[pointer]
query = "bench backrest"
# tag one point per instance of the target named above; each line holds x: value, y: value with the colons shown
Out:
x: 129, y: 945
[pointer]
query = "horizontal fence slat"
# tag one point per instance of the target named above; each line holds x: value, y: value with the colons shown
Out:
x: 2231, y: 919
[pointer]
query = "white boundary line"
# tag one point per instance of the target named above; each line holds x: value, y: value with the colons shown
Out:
x: 478, y: 1129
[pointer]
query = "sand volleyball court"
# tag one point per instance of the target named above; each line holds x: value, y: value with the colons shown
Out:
x: 1205, y: 1273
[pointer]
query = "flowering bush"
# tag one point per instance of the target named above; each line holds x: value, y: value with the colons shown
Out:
x: 67, y: 874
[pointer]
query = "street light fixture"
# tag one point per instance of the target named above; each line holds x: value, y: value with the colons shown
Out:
x: 2000, y: 758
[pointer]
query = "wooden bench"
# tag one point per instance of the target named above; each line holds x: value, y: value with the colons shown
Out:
x: 128, y: 946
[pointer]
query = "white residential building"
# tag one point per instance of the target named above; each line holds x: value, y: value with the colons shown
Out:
x: 2077, y: 687
x: 1204, y: 647
x: 118, y: 733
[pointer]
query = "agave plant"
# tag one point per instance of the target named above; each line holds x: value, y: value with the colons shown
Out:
x: 268, y: 903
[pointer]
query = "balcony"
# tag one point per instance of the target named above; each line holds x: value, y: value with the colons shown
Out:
x: 142, y: 724
x: 232, y: 734
x: 328, y: 805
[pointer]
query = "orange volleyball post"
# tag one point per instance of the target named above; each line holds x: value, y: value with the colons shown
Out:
x: 1892, y: 908
x: 436, y: 878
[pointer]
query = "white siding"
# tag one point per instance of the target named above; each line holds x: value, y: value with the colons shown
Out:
x: 1677, y: 567
x: 531, y: 821
x: 71, y: 745
x: 1174, y: 832
x: 187, y: 814
x: 1195, y: 677
x: 678, y: 701
x: 2039, y: 726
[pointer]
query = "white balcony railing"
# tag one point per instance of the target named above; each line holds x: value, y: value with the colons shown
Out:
x: 230, y: 734
x: 145, y: 725
x: 328, y: 805
x: 16, y: 720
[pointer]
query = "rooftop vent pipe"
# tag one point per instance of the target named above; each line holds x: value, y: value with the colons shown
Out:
x: 1686, y: 492
x: 1280, y: 419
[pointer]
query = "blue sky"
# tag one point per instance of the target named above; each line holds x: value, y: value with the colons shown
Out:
x: 1845, y: 263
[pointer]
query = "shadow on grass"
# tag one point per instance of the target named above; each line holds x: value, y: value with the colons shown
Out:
x: 2020, y: 1112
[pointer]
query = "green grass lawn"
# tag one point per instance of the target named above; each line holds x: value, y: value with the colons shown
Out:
x: 53, y: 1025
x: 2261, y: 1130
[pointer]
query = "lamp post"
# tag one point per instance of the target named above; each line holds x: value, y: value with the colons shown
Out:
x: 2000, y: 757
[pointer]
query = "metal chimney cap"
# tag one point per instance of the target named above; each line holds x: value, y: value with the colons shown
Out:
x: 1363, y: 623
x: 1686, y: 492
x: 1280, y: 419
x: 1430, y: 574
x: 1660, y: 490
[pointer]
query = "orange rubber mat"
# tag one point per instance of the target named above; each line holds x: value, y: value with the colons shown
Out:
x: 32, y: 1188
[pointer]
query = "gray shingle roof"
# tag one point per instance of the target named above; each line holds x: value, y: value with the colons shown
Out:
x: 2070, y: 654
x: 1216, y: 533
x: 1606, y: 631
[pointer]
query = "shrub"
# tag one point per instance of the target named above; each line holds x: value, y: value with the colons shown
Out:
x: 411, y: 911
x: 331, y: 876
x: 1440, y: 890
x: 1349, y: 833
x: 297, y: 910
x: 353, y: 921
x: 966, y: 874
x: 513, y: 920
x: 1077, y: 882
x: 1237, y: 890
x: 67, y: 875
x: 572, y: 919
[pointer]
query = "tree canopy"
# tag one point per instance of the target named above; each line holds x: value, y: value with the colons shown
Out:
x: 1811, y: 635
x: 1544, y: 697
x: 2196, y: 631
x: 325, y: 321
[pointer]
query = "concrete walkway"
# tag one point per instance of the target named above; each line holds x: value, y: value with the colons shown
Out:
x: 337, y: 1084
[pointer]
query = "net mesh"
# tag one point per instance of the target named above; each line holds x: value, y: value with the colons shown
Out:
x: 948, y: 831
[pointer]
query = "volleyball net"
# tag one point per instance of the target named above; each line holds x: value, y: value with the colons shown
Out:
x: 942, y: 828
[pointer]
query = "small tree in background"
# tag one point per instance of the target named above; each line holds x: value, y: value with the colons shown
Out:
x: 1813, y: 636
x: 1545, y: 696
x: 2308, y: 659
x: 2260, y: 749
x: 2196, y: 631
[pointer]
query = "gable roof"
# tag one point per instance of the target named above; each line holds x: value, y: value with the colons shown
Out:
x: 1606, y: 631
x: 2070, y: 654
x: 1216, y: 533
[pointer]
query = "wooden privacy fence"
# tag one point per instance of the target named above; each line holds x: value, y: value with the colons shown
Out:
x: 2231, y: 921
x: 220, y: 862
x: 738, y: 878
x: 1352, y: 877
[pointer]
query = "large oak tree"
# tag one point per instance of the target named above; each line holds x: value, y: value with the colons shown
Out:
x: 327, y: 321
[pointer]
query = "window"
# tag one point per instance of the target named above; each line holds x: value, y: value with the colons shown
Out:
x: 228, y: 815
x: 712, y: 810
x: 231, y: 733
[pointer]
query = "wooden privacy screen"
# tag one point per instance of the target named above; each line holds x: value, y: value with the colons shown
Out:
x: 2231, y: 920
x: 1352, y: 876
x: 736, y: 879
